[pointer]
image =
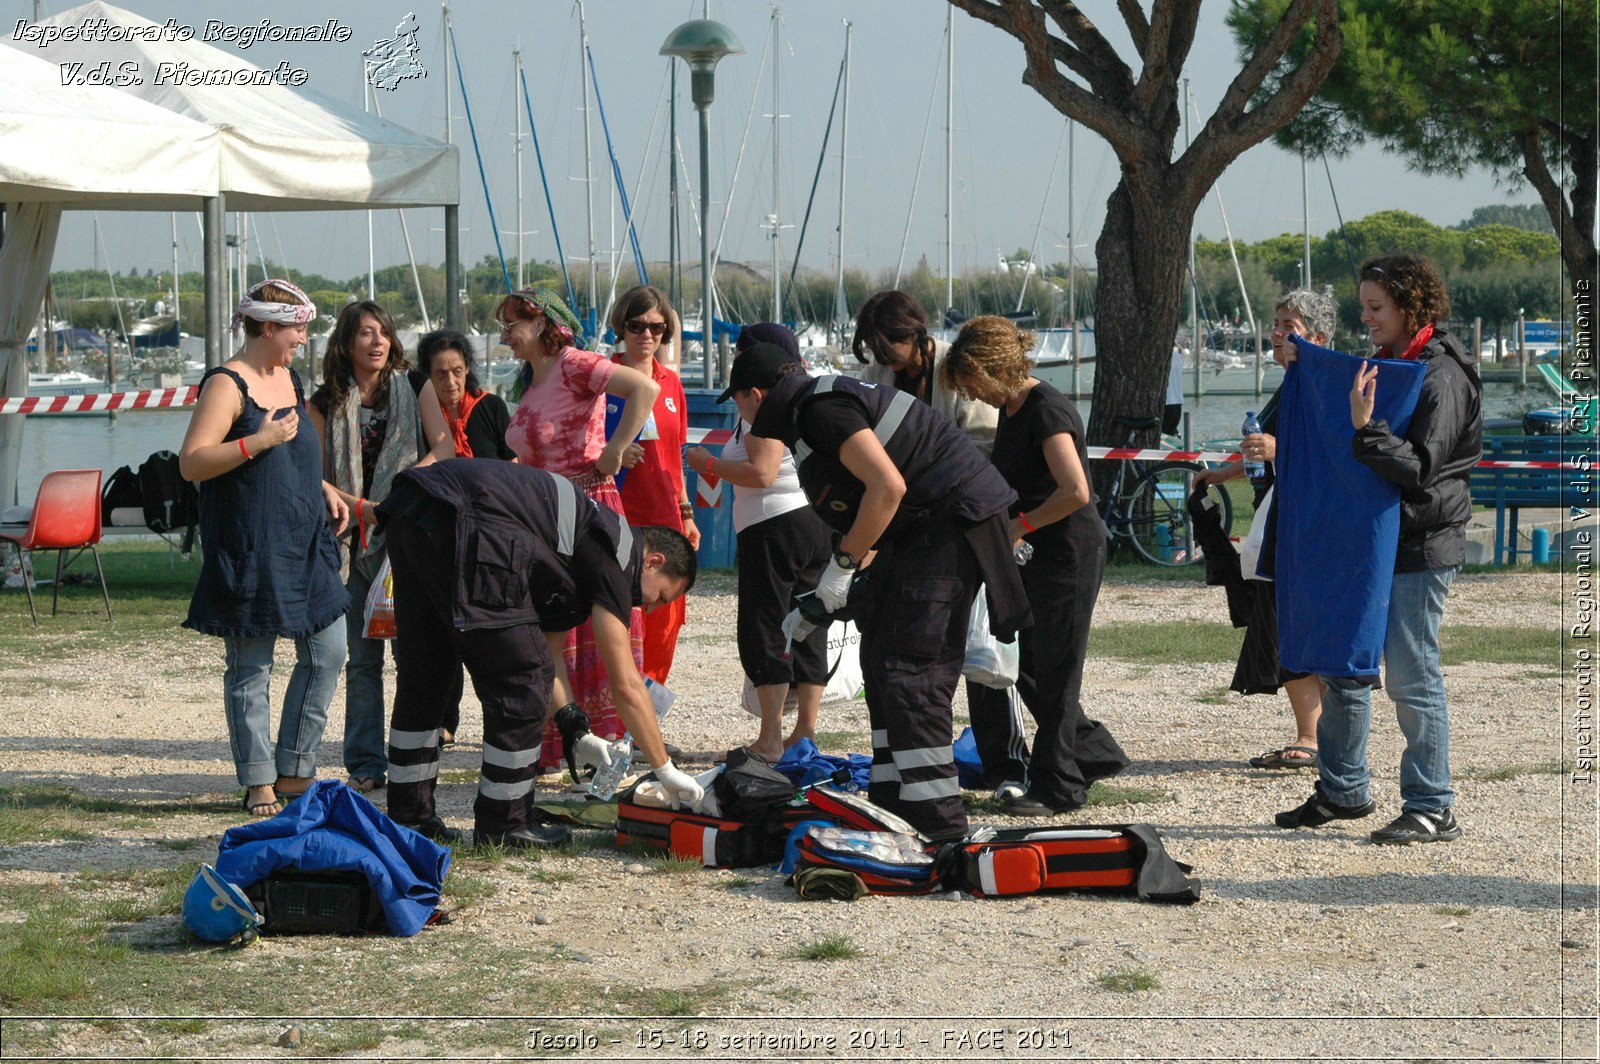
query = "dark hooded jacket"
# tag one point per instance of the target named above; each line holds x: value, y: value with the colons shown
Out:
x: 1431, y: 462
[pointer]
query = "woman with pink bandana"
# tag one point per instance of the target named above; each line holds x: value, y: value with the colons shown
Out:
x: 559, y: 425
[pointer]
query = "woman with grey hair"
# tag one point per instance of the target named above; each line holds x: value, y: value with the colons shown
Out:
x: 1300, y: 312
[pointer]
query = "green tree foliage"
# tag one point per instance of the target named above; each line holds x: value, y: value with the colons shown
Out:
x: 1452, y: 85
x: 1529, y: 216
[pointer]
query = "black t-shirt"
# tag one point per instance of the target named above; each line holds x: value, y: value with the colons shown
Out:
x: 486, y: 425
x: 601, y: 582
x: 1019, y: 441
x: 829, y: 419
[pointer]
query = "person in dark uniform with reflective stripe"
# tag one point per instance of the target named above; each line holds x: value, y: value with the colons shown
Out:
x: 923, y: 514
x: 492, y: 563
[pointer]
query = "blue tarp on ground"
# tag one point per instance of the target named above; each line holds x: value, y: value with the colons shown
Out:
x: 804, y: 764
x: 334, y: 829
x: 1338, y: 522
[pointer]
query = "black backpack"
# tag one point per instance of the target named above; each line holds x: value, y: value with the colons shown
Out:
x: 170, y: 502
x: 121, y: 492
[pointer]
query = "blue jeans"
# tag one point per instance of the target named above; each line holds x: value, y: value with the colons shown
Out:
x: 366, y: 750
x: 1415, y: 684
x: 248, y: 703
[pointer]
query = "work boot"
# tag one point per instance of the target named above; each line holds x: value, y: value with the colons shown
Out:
x: 534, y: 836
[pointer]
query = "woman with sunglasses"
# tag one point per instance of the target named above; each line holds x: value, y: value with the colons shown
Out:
x: 559, y: 425
x: 654, y: 492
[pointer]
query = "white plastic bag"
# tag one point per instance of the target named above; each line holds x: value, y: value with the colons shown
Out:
x: 989, y: 661
x: 1250, y: 547
x: 380, y: 604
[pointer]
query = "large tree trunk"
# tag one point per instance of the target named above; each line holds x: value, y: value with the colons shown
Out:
x: 1142, y: 255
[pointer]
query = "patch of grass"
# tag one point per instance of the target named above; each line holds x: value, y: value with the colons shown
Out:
x: 1215, y: 696
x: 1129, y: 980
x: 1499, y: 646
x: 458, y: 775
x: 52, y: 955
x: 1126, y: 794
x: 667, y: 864
x: 1502, y: 773
x: 837, y: 740
x: 737, y: 882
x: 1178, y: 643
x: 50, y: 813
x: 1452, y: 910
x: 466, y: 889
x: 828, y: 948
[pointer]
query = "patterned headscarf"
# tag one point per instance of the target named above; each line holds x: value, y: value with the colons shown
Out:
x: 281, y: 313
x: 567, y: 328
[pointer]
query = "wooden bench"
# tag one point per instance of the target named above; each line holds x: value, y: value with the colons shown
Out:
x: 1509, y: 490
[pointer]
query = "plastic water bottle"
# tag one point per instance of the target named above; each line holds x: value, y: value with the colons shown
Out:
x: 1023, y: 552
x: 1254, y: 468
x: 605, y: 782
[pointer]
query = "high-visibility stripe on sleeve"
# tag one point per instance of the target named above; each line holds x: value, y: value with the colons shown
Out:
x: 624, y: 543
x: 880, y: 738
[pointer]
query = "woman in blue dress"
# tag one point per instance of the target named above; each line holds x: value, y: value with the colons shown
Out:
x: 270, y: 566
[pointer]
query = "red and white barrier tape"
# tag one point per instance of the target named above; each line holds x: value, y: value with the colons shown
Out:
x: 168, y: 397
x: 94, y: 404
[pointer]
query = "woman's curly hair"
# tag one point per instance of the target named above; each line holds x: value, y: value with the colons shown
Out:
x: 1414, y: 284
x: 988, y: 360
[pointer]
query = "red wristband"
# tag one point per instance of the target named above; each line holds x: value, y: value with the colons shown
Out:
x: 1025, y: 522
x: 243, y: 450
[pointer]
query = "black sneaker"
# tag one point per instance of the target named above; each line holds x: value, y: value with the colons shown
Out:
x: 435, y: 829
x: 1319, y: 810
x: 1419, y: 827
x: 534, y: 836
x: 1031, y: 805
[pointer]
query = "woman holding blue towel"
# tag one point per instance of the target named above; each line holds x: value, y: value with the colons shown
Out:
x: 1403, y: 300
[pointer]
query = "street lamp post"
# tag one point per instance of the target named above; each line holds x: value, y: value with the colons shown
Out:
x: 700, y: 43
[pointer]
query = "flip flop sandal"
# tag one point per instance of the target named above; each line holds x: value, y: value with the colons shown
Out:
x: 365, y: 784
x: 274, y: 806
x: 1277, y: 758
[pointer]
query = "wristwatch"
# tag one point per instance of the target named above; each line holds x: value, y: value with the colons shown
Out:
x: 844, y: 561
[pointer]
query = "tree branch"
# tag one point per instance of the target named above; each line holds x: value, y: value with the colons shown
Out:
x: 1537, y: 171
x: 1133, y: 18
x: 1252, y: 74
x: 1171, y: 35
x: 1111, y: 78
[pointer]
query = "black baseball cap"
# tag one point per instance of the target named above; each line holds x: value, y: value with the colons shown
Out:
x: 761, y: 365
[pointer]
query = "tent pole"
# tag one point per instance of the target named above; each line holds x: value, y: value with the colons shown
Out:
x: 452, y: 267
x: 215, y: 297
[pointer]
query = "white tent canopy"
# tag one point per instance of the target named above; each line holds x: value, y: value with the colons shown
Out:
x: 96, y: 148
x: 165, y: 147
x: 282, y: 148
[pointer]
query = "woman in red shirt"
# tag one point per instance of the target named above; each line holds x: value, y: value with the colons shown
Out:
x: 653, y: 490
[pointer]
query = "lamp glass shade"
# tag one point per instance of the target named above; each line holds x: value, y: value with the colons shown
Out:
x: 702, y: 42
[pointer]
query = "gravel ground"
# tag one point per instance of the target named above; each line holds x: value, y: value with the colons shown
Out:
x: 1305, y: 944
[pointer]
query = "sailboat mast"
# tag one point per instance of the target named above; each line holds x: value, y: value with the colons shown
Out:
x: 674, y: 293
x: 949, y: 157
x: 777, y: 282
x: 516, y: 55
x: 372, y: 269
x: 177, y: 311
x: 1305, y: 224
x: 1194, y: 281
x: 588, y: 163
x: 841, y: 306
x: 1072, y: 253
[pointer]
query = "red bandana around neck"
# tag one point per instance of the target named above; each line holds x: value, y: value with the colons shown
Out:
x: 1418, y: 342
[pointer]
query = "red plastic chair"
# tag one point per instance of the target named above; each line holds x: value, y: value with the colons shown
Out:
x: 66, y: 516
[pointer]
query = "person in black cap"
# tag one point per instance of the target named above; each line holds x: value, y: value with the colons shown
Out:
x: 493, y: 562
x: 919, y: 504
x: 783, y: 548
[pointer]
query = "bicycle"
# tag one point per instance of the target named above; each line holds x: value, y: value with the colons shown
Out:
x: 1148, y: 504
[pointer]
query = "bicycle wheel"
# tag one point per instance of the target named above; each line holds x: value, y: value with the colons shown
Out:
x: 1155, y: 514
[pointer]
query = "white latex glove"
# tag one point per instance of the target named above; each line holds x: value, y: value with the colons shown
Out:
x: 834, y: 587
x: 680, y: 786
x: 795, y: 626
x: 593, y: 751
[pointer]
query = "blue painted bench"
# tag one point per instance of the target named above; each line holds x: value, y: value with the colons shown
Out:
x: 1510, y: 490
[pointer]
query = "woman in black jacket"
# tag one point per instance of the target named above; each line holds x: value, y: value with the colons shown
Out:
x: 1402, y: 301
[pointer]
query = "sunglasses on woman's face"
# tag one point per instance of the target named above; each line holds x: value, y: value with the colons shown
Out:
x: 657, y: 329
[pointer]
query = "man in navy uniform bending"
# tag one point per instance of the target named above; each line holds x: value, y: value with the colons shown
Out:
x: 493, y: 562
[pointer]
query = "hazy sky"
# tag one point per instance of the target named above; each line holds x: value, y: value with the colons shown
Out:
x: 1006, y: 136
